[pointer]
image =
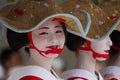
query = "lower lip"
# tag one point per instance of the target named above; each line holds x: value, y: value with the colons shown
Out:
x: 107, y: 51
x: 53, y: 48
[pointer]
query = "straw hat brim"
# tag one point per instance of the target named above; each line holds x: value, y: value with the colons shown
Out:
x: 13, y: 25
x: 20, y: 27
x: 79, y: 23
x: 100, y: 26
x: 111, y: 7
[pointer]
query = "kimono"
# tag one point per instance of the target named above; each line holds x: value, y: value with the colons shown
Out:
x: 33, y: 73
x: 2, y: 72
x: 111, y: 73
x: 80, y: 74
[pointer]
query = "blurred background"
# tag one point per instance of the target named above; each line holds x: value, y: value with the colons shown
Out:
x: 64, y: 62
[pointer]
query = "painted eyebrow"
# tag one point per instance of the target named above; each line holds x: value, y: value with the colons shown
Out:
x: 44, y: 28
x: 58, y: 26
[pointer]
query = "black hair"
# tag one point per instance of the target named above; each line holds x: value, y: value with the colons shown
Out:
x: 115, y: 37
x: 6, y: 55
x: 64, y: 29
x: 18, y: 40
x: 74, y: 41
x: 114, y: 54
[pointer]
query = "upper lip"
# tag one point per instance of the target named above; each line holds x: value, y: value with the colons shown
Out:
x: 53, y: 47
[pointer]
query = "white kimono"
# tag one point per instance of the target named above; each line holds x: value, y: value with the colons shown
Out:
x: 1, y: 72
x: 80, y: 74
x: 35, y: 72
x: 111, y: 73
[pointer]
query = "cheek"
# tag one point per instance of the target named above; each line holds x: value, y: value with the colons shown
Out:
x: 99, y: 48
x: 40, y: 42
x: 61, y: 39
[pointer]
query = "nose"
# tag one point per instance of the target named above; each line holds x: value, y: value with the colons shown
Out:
x: 53, y: 39
x: 109, y: 41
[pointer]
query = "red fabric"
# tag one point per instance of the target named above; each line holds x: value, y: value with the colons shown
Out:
x: 31, y: 78
x: 59, y: 19
x: 19, y: 12
x: 95, y: 54
x: 54, y: 51
x: 113, y: 17
x: 32, y: 44
x: 73, y: 78
x: 113, y: 79
x: 114, y: 47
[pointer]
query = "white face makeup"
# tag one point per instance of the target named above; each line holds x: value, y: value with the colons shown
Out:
x: 102, y: 47
x: 49, y: 36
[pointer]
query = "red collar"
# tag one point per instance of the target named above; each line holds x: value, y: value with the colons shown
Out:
x: 95, y: 54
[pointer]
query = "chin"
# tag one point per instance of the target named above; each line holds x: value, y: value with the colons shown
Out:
x: 101, y: 59
x: 52, y: 55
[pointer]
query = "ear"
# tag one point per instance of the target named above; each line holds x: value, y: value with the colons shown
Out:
x: 28, y: 45
x: 85, y: 45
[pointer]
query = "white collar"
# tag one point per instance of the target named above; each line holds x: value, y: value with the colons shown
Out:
x: 110, y: 70
x: 80, y: 73
x: 34, y: 71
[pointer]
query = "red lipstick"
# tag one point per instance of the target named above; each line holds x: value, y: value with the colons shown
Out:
x: 107, y: 51
x: 53, y: 47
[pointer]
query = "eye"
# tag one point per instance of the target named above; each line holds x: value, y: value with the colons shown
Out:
x: 59, y: 31
x: 43, y: 33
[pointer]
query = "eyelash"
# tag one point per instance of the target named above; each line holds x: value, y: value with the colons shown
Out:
x: 59, y: 31
x: 45, y: 33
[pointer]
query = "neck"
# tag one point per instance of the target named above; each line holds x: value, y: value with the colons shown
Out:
x: 39, y: 60
x: 117, y: 61
x: 85, y: 61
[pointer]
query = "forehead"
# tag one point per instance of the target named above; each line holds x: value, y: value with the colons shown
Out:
x: 50, y: 23
x: 103, y: 41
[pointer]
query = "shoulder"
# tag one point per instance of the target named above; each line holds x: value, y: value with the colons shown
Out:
x: 31, y: 73
x: 24, y: 73
x: 111, y: 72
x: 78, y: 74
